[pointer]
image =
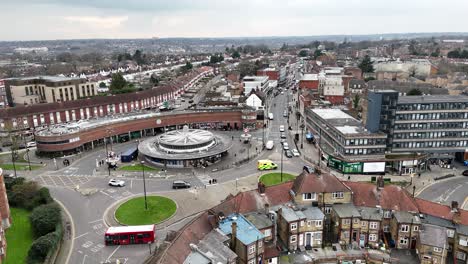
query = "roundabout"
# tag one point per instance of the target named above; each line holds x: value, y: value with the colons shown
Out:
x: 133, y: 212
x: 185, y: 148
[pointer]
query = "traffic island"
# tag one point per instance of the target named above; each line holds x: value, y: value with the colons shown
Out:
x: 275, y: 178
x: 133, y: 212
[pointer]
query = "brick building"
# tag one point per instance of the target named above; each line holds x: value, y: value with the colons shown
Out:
x: 4, y: 216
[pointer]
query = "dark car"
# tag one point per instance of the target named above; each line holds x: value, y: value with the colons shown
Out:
x: 465, y: 173
x: 180, y: 185
x: 288, y: 153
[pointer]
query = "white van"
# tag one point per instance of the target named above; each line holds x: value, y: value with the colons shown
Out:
x: 269, y: 145
x: 270, y: 116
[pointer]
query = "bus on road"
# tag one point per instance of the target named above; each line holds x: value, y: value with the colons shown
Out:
x: 126, y: 235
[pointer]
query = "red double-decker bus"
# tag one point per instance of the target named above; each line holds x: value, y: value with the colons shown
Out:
x: 125, y: 235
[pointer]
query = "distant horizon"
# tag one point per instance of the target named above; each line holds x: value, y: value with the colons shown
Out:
x: 401, y: 34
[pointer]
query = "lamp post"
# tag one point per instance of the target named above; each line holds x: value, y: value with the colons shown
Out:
x: 107, y: 157
x: 414, y: 189
x: 282, y: 153
x: 302, y: 136
x: 144, y: 183
x: 13, y: 161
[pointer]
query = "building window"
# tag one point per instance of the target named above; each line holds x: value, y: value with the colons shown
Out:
x: 373, y: 237
x: 293, y: 239
x: 415, y: 228
x: 267, y: 232
x: 328, y: 210
x: 450, y: 233
x: 346, y: 221
x: 363, y: 224
x: 386, y: 229
x: 302, y: 223
x: 404, y: 228
x: 260, y: 243
x: 437, y: 249
x: 337, y: 195
x: 252, y: 261
x: 293, y: 226
x: 355, y: 220
x: 251, y: 249
x: 404, y: 241
x: 463, y: 241
x: 461, y: 255
x: 318, y: 223
x: 387, y: 214
x: 373, y: 225
x: 309, y: 196
x: 309, y: 223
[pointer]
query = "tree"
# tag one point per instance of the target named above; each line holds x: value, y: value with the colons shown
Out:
x: 317, y: 53
x: 138, y: 57
x: 366, y: 64
x: 102, y: 85
x: 284, y: 47
x: 45, y: 218
x: 414, y: 92
x: 303, y: 53
x: 235, y: 55
x: 154, y: 80
x: 23, y: 195
x: 356, y: 101
x: 412, y: 71
x: 41, y: 247
x: 124, y: 57
x: 188, y: 65
x: 118, y: 82
x: 248, y: 68
x: 216, y: 58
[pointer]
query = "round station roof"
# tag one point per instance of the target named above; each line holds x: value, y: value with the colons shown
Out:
x: 186, y: 137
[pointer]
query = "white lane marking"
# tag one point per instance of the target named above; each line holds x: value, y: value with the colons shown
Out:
x: 113, y: 252
x: 84, y: 258
x: 81, y: 235
x: 95, y: 221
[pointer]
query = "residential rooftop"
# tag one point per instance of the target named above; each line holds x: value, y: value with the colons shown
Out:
x: 346, y: 210
x: 429, y: 232
x: 46, y: 78
x: 247, y: 233
x: 309, y: 77
x: 259, y: 219
x: 406, y: 217
x: 370, y: 213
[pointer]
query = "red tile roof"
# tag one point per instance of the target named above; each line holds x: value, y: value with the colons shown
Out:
x: 391, y: 197
x: 323, y: 183
x: 440, y: 210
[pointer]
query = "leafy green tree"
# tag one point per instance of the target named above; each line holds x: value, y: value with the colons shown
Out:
x: 248, y: 68
x: 436, y: 53
x: 284, y: 47
x: 154, y: 80
x: 303, y: 53
x: 216, y: 58
x: 235, y: 55
x: 118, y: 82
x: 138, y: 57
x: 102, y: 85
x: 124, y: 57
x: 45, y: 218
x: 188, y: 65
x: 41, y: 247
x: 356, y: 101
x: 414, y: 92
x: 366, y: 64
x: 23, y: 195
x: 317, y: 53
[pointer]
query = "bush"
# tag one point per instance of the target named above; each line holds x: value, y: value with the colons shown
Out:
x: 12, y: 181
x: 28, y: 195
x: 41, y: 247
x: 45, y: 218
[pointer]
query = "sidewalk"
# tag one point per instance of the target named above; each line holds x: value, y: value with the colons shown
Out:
x: 193, y: 201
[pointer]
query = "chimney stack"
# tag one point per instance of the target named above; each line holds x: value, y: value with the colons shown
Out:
x: 233, y: 235
x: 267, y: 208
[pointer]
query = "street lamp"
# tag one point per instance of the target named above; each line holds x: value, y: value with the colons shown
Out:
x: 144, y: 183
x: 282, y: 153
x: 13, y: 161
x: 29, y: 161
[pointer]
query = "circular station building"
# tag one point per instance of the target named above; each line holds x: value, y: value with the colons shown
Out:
x: 185, y: 148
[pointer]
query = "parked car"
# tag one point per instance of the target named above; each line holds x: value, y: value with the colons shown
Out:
x: 308, y: 169
x: 7, y: 144
x: 180, y: 184
x: 465, y: 173
x: 270, y: 144
x: 283, y: 135
x: 285, y: 146
x: 288, y: 153
x: 285, y: 114
x: 295, y: 153
x: 116, y: 183
x: 31, y: 144
x: 281, y: 128
x: 21, y: 146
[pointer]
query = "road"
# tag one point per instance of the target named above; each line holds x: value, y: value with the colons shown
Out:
x: 446, y: 191
x: 87, y: 211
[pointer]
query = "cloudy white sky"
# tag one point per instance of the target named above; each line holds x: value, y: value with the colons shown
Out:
x: 73, y: 19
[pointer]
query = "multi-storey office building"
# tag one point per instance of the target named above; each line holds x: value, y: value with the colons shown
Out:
x: 47, y: 89
x: 344, y: 141
x: 433, y: 126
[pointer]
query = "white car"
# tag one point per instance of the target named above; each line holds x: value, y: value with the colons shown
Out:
x: 116, y: 183
x: 31, y: 144
x: 281, y: 128
x: 285, y: 146
x: 295, y: 153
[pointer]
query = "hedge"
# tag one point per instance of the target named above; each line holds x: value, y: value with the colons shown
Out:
x: 43, y: 246
x: 45, y: 218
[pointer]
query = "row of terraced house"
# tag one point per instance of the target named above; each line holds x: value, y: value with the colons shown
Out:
x: 321, y: 219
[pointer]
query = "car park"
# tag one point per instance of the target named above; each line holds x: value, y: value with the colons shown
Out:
x: 116, y: 183
x: 288, y: 153
x: 285, y: 146
x: 180, y: 185
x: 295, y: 153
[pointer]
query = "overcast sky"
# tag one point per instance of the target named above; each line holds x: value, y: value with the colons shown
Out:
x: 73, y: 19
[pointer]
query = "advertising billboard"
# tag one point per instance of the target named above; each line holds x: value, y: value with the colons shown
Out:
x: 374, y: 167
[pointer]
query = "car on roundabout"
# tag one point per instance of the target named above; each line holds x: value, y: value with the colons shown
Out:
x: 116, y: 183
x: 180, y: 185
x: 295, y: 153
x: 288, y: 153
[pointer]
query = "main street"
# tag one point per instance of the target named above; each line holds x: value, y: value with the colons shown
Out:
x: 87, y: 209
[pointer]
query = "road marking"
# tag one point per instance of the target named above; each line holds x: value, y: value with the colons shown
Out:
x: 101, y: 191
x: 87, y: 244
x: 72, y: 224
x: 81, y: 235
x: 113, y: 252
x: 95, y: 221
x: 84, y: 258
x: 131, y: 184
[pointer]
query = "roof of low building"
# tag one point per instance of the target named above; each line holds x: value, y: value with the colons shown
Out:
x: 428, y: 232
x: 313, y: 213
x: 291, y: 215
x: 370, y: 213
x: 346, y: 210
x: 391, y: 197
x: 247, y: 233
x: 212, y: 249
x: 406, y: 217
x: 259, y: 219
x: 318, y: 183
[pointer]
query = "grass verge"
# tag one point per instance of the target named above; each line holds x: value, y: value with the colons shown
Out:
x: 19, y: 237
x: 133, y: 211
x: 274, y: 178
x: 137, y: 167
